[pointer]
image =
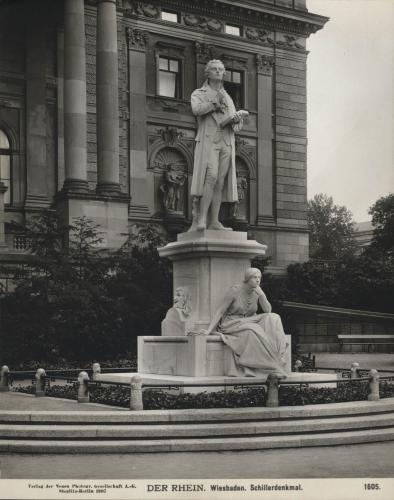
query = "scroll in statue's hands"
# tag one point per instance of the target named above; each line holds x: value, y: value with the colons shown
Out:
x: 240, y: 115
x: 235, y: 119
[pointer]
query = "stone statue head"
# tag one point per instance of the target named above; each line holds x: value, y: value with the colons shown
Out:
x: 182, y: 300
x: 211, y: 66
x: 250, y: 273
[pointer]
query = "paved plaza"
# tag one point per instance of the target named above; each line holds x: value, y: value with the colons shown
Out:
x: 363, y: 460
x: 372, y: 460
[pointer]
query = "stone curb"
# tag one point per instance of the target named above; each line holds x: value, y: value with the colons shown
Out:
x: 195, y: 430
x: 214, y: 444
x: 203, y: 415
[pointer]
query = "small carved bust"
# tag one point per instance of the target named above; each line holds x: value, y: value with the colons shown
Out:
x: 174, y: 324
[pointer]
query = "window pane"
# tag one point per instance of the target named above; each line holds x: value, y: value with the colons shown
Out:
x: 4, y: 143
x: 4, y: 167
x: 233, y: 30
x: 7, y: 194
x: 227, y: 75
x: 169, y: 16
x: 167, y: 84
x: 236, y: 77
x: 163, y: 63
x: 173, y: 66
x: 236, y: 92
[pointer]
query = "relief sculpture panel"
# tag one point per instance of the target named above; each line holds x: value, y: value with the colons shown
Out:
x: 170, y: 168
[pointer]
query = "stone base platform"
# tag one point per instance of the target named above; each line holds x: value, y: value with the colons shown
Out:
x: 189, y: 355
x: 183, y: 384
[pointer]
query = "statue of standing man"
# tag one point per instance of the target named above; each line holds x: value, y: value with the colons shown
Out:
x: 214, y: 175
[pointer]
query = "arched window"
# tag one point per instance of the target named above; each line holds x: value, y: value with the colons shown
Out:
x: 5, y: 165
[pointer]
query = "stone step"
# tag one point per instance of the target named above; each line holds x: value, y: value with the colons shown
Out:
x: 125, y: 416
x: 204, y: 430
x: 212, y: 444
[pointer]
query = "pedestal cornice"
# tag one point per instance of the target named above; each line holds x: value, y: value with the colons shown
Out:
x: 208, y: 243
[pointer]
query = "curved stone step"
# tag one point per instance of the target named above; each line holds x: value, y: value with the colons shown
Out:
x: 213, y: 444
x: 204, y: 430
x: 126, y: 416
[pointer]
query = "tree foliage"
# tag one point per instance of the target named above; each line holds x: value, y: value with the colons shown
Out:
x: 76, y: 302
x: 331, y: 228
x: 382, y: 212
x: 357, y: 282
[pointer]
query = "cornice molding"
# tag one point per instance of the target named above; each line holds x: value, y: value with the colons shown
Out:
x: 210, y: 14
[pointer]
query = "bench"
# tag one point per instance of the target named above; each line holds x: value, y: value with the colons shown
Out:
x: 368, y: 340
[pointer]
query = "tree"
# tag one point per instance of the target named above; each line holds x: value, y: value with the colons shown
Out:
x: 331, y: 228
x: 382, y: 212
x: 357, y: 282
x: 78, y: 303
x: 141, y: 282
x: 60, y: 308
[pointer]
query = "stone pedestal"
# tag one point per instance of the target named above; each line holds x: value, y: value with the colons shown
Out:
x: 207, y: 263
x: 183, y: 384
x: 110, y: 214
x: 189, y: 356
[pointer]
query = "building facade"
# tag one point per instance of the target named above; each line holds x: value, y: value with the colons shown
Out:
x: 95, y: 114
x: 362, y: 235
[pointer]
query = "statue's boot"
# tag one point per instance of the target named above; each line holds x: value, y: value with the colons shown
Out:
x: 201, y: 224
x: 215, y: 207
x: 219, y: 226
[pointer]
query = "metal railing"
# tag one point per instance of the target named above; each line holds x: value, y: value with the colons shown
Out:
x: 84, y: 384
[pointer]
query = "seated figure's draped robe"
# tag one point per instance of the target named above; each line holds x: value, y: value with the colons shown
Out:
x: 257, y: 341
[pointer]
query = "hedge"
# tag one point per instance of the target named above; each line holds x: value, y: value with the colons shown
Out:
x: 155, y: 399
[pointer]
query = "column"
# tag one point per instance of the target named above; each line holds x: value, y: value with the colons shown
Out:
x: 75, y: 154
x: 107, y: 99
x: 264, y: 66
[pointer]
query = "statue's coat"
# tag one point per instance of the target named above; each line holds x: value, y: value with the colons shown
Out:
x: 207, y: 122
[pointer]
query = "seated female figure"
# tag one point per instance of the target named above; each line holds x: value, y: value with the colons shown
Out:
x: 257, y: 341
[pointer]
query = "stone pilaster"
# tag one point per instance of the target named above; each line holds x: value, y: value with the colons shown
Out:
x: 75, y: 154
x: 291, y: 156
x: 203, y: 53
x: 107, y: 99
x: 36, y: 150
x: 264, y: 66
x: 60, y: 109
x: 137, y: 41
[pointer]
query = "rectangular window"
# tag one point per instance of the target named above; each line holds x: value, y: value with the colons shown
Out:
x: 233, y: 30
x: 234, y: 85
x: 169, y: 16
x: 169, y: 77
x: 5, y: 176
